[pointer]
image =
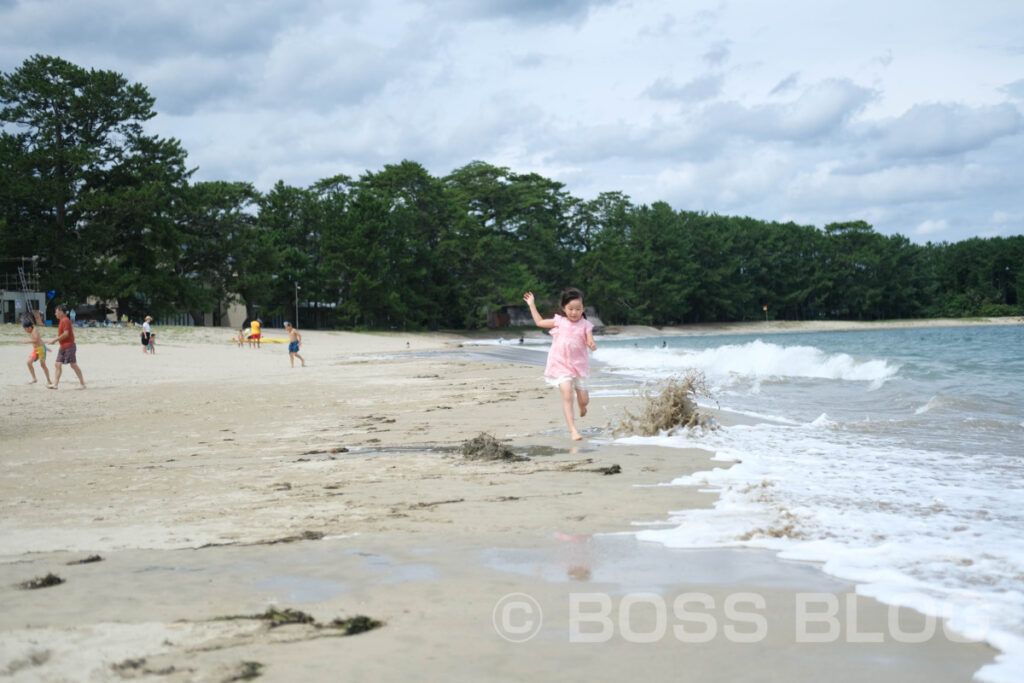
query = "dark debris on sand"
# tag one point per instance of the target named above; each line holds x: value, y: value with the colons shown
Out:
x: 282, y: 617
x: 248, y: 671
x: 668, y: 405
x: 355, y: 625
x: 486, y: 447
x: 42, y: 582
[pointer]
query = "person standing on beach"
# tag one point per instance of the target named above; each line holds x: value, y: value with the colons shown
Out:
x: 568, y: 364
x: 294, y: 344
x: 254, y: 333
x: 66, y: 352
x: 38, y: 352
x: 147, y: 335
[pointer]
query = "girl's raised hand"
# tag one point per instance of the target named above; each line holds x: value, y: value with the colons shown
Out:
x: 528, y: 298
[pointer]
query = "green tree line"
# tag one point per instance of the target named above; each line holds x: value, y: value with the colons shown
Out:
x: 111, y: 212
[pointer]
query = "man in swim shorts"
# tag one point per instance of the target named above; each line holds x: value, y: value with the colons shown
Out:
x: 66, y: 353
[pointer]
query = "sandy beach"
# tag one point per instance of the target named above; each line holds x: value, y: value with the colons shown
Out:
x: 215, y: 482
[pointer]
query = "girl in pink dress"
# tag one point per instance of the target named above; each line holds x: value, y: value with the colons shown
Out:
x: 568, y: 364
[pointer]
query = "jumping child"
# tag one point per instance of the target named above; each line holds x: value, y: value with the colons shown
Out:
x: 568, y: 364
x: 38, y: 352
x: 294, y: 342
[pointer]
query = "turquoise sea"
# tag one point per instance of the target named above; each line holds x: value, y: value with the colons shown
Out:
x: 894, y: 457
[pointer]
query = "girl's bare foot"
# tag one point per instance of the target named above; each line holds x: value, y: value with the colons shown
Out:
x: 583, y: 410
x: 576, y: 436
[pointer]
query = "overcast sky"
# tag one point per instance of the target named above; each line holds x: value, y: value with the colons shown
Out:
x: 907, y: 114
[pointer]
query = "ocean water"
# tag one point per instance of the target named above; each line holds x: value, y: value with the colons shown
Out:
x: 893, y: 457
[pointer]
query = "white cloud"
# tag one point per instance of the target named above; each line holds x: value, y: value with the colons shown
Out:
x: 787, y: 84
x: 930, y: 130
x: 525, y: 11
x: 820, y: 109
x: 869, y: 111
x: 697, y: 90
x: 931, y: 227
x: 1006, y: 218
x: 718, y: 54
x: 190, y: 83
x: 1014, y: 89
x: 828, y: 184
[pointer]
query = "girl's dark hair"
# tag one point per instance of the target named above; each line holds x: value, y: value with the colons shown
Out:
x: 571, y: 294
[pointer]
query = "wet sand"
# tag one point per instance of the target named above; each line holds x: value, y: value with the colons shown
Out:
x: 216, y: 482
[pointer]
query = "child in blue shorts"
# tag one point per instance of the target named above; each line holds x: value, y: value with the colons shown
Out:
x: 294, y: 344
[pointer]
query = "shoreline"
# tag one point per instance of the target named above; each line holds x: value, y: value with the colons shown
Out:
x: 214, y: 481
x: 784, y: 326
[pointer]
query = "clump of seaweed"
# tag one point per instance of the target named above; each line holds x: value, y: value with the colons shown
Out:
x: 249, y: 671
x: 304, y: 536
x: 486, y: 447
x: 785, y: 526
x: 86, y: 560
x: 668, y: 405
x: 357, y: 624
x: 275, y: 617
x: 139, y: 665
x: 282, y: 617
x: 129, y: 664
x: 50, y: 579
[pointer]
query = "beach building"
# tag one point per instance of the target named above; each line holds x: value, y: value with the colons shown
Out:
x: 510, y: 315
x: 19, y: 285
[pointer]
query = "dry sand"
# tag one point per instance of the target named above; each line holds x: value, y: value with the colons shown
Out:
x: 217, y: 481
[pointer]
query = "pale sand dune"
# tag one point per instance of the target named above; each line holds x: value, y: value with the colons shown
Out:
x: 183, y: 469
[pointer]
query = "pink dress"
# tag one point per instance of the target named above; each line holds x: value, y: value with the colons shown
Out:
x: 568, y: 354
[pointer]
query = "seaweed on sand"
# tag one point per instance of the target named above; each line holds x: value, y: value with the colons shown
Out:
x: 283, y: 617
x: 275, y: 617
x: 667, y: 405
x: 42, y: 582
x: 486, y: 447
x: 357, y: 624
x: 249, y: 671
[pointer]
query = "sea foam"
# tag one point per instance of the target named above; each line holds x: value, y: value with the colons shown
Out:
x: 753, y: 360
x: 893, y: 464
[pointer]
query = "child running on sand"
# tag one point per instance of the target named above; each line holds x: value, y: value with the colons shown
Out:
x: 568, y: 364
x: 294, y: 342
x: 38, y: 352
